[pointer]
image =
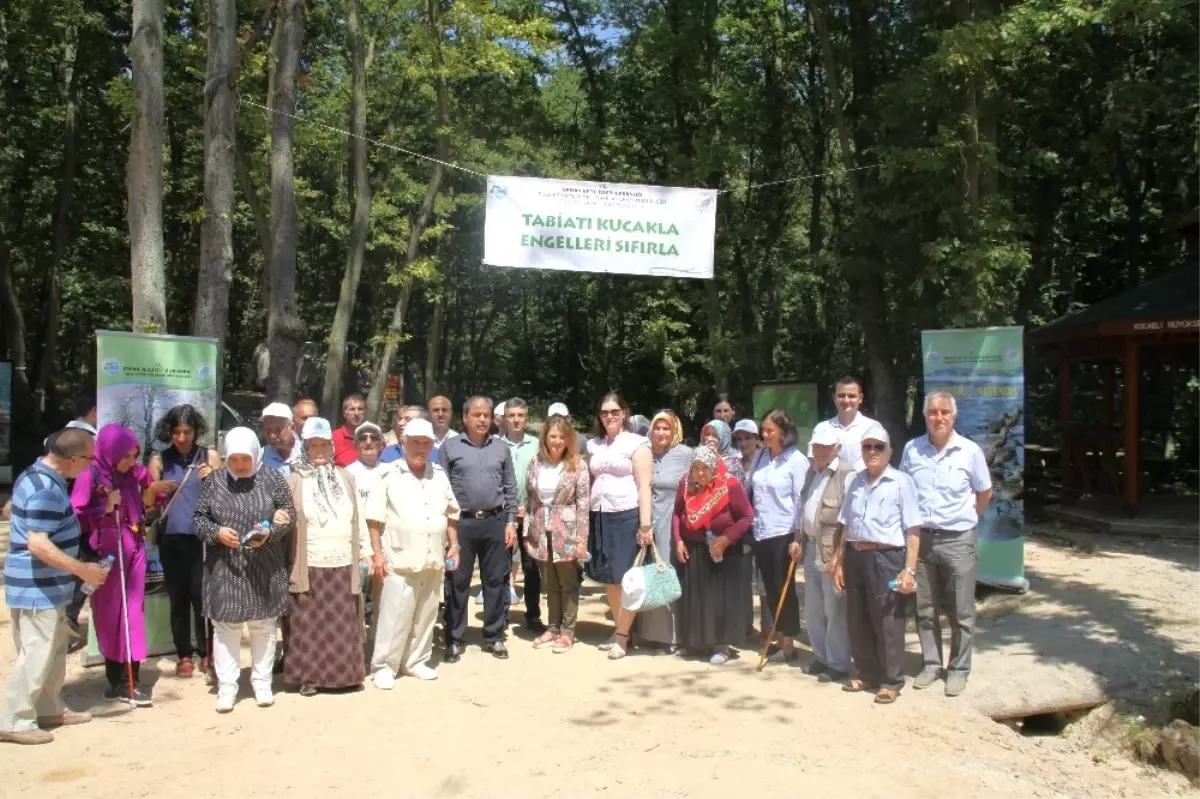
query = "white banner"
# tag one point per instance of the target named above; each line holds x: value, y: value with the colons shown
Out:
x: 600, y: 227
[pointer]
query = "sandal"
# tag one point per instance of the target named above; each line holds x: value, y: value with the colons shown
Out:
x: 563, y: 644
x: 618, y: 651
x: 856, y: 686
x: 545, y: 639
x: 886, y: 696
x: 307, y: 690
x: 184, y: 668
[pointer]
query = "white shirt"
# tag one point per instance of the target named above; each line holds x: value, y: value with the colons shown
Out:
x: 415, y: 514
x: 850, y: 436
x: 947, y: 482
x: 437, y: 442
x: 547, y: 482
x: 366, y: 477
x: 614, y: 488
x: 329, y: 535
x: 881, y: 513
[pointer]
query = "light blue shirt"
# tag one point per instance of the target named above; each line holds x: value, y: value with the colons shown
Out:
x: 947, y: 482
x: 273, y: 459
x: 882, y: 513
x: 778, y: 485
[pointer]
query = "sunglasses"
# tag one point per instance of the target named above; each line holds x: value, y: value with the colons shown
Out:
x: 370, y: 437
x: 611, y: 414
x: 874, y: 447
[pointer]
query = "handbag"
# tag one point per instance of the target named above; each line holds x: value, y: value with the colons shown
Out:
x: 152, y: 526
x: 647, y: 586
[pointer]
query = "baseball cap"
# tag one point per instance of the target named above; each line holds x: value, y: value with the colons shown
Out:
x: 825, y: 435
x: 557, y: 409
x: 419, y: 428
x: 876, y: 433
x: 316, y: 427
x: 367, y: 427
x: 499, y: 410
x: 278, y: 410
x: 746, y: 426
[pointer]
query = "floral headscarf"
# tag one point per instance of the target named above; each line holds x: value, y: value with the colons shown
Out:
x: 702, y: 505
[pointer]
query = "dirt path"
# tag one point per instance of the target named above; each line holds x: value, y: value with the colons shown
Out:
x: 577, y: 724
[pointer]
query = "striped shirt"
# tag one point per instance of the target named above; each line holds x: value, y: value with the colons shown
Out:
x: 40, y: 504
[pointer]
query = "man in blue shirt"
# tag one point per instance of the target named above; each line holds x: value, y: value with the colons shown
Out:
x: 38, y: 582
x: 954, y: 487
x: 395, y: 452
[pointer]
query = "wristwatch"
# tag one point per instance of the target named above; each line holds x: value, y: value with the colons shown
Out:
x: 910, y: 570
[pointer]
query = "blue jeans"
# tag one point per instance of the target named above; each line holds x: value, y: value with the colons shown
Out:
x: 825, y: 613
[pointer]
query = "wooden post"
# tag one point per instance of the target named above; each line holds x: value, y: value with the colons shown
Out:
x: 1109, y: 455
x: 1064, y: 424
x: 1132, y: 378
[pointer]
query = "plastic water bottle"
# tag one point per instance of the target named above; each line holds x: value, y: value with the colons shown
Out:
x: 262, y: 527
x: 105, y: 564
x: 708, y: 536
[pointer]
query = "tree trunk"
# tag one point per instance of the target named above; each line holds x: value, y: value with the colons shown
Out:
x: 433, y: 351
x: 284, y: 332
x: 144, y: 173
x: 335, y: 359
x: 62, y: 218
x: 262, y: 218
x: 216, y: 231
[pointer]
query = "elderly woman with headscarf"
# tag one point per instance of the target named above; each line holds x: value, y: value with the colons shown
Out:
x: 245, y: 584
x: 719, y: 435
x: 711, y: 516
x: 672, y: 459
x: 110, y: 499
x: 325, y: 635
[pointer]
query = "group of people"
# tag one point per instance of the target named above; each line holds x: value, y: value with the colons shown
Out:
x: 296, y: 535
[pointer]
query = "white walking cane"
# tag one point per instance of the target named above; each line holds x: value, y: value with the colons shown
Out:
x: 124, y: 607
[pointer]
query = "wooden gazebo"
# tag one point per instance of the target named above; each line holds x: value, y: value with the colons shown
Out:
x: 1157, y: 322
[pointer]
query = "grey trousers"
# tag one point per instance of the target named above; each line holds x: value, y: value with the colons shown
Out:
x: 875, y: 615
x: 35, y: 685
x: 946, y: 584
x: 825, y: 613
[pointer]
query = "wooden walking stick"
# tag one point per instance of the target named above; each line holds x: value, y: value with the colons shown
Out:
x: 762, y: 657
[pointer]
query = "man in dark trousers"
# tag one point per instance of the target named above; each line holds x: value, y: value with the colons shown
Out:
x: 480, y: 469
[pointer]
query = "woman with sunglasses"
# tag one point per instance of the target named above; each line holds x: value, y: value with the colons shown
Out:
x: 777, y: 485
x: 621, y: 468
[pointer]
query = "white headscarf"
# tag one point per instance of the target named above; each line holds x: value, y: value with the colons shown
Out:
x: 243, y: 441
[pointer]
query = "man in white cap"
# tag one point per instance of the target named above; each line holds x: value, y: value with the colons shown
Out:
x: 498, y: 421
x: 954, y: 487
x: 368, y: 443
x: 817, y: 529
x: 746, y: 439
x: 849, y: 422
x: 560, y: 409
x: 877, y: 568
x: 413, y: 518
x: 282, y: 447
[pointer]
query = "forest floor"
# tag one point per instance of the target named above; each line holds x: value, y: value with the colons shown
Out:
x: 1118, y: 612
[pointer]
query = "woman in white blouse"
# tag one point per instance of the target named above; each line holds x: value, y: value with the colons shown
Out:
x: 325, y: 641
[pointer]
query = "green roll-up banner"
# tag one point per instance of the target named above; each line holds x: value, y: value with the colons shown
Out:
x: 798, y: 399
x: 984, y: 370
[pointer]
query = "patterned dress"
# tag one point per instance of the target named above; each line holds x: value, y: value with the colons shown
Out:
x: 244, y: 584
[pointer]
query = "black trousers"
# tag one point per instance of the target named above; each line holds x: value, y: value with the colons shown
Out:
x: 773, y: 561
x: 87, y: 555
x: 533, y: 580
x: 183, y: 569
x: 482, y: 538
x: 875, y: 615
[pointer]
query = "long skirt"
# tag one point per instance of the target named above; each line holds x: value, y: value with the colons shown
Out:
x: 713, y: 610
x: 325, y: 638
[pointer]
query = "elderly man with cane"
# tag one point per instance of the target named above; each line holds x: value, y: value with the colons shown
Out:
x: 481, y: 473
x: 878, y: 565
x: 954, y: 487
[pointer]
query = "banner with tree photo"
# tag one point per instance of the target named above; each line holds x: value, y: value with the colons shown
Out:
x: 139, y: 377
x: 984, y: 370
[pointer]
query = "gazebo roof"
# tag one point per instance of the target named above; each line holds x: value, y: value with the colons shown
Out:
x: 1167, y: 304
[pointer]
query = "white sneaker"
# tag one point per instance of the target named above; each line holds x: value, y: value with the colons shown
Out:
x: 479, y: 598
x: 512, y: 594
x: 384, y: 679
x: 264, y: 697
x: 226, y: 698
x: 422, y: 671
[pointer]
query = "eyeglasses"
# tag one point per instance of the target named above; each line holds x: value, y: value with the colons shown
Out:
x: 611, y: 414
x: 369, y: 437
x: 874, y: 447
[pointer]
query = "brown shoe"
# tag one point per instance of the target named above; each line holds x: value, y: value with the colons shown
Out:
x: 886, y: 696
x: 65, y: 719
x: 28, y: 737
x: 184, y: 668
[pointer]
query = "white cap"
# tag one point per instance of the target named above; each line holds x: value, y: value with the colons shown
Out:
x: 364, y: 427
x: 557, y: 409
x: 278, y: 410
x: 316, y: 427
x: 419, y: 428
x: 876, y: 433
x: 824, y: 435
x: 746, y: 426
x: 499, y: 410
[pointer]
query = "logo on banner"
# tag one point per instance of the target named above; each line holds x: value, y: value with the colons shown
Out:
x: 1012, y: 355
x: 204, y: 371
x: 111, y: 367
x: 934, y: 356
x: 499, y: 192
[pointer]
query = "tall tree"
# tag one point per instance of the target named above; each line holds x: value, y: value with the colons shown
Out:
x: 360, y: 185
x: 144, y: 180
x: 220, y: 142
x: 284, y: 331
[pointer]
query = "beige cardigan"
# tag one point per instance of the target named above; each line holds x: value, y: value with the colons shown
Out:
x: 298, y: 579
